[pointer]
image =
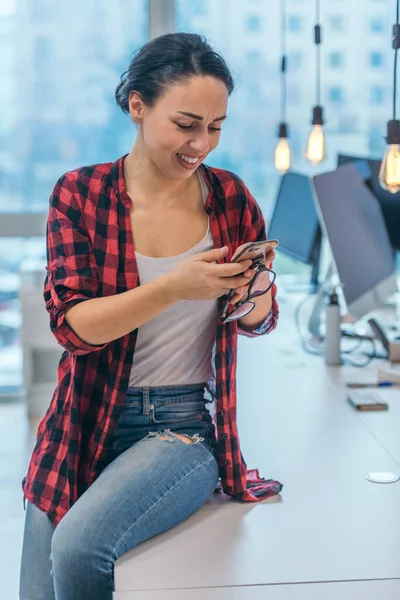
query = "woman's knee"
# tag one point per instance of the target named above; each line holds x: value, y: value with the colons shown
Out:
x: 70, y: 547
x: 80, y: 543
x: 81, y: 565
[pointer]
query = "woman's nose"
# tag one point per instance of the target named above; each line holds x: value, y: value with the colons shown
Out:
x: 201, y: 144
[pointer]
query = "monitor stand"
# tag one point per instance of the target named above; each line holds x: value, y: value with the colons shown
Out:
x: 306, y: 287
x: 390, y: 312
x: 316, y: 252
x: 314, y: 323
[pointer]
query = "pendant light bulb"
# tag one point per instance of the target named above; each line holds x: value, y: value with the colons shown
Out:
x: 282, y: 150
x: 316, y: 145
x: 389, y: 172
x: 315, y: 152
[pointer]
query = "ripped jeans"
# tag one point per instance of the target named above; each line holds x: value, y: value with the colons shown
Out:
x: 161, y: 469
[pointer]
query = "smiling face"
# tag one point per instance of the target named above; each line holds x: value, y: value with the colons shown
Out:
x: 186, y: 121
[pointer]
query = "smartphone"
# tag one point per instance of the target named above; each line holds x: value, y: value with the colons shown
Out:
x: 254, y: 250
x: 363, y: 400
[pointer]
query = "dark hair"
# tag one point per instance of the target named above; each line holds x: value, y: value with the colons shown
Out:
x: 168, y: 59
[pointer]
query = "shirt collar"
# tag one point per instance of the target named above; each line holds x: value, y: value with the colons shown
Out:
x: 118, y: 183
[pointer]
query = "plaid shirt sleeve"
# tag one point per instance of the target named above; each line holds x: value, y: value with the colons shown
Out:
x: 253, y: 226
x: 71, y: 269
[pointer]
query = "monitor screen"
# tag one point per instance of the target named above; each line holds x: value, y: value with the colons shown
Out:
x: 356, y: 231
x: 294, y: 221
x: 390, y: 203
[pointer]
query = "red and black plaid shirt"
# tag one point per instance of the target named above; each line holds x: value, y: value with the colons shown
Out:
x: 90, y: 253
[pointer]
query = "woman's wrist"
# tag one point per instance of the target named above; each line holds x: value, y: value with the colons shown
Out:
x: 168, y: 286
x: 263, y: 306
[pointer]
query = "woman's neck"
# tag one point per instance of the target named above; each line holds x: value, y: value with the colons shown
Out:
x: 142, y: 177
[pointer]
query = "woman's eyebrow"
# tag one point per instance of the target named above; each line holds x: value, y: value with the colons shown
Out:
x: 188, y: 114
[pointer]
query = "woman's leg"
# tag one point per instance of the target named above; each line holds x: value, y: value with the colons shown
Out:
x: 151, y: 487
x: 36, y: 582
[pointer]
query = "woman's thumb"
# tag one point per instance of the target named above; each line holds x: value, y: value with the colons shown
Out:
x: 215, y: 254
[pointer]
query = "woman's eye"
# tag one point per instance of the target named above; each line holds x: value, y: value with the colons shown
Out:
x: 187, y: 127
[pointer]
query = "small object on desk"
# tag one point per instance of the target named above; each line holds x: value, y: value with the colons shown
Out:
x: 354, y: 385
x: 389, y: 373
x: 363, y: 401
x: 382, y: 477
x: 332, y: 330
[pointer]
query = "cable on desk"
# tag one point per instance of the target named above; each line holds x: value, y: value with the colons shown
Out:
x: 317, y: 348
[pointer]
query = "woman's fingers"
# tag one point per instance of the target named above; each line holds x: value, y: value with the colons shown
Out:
x: 269, y: 259
x: 240, y: 294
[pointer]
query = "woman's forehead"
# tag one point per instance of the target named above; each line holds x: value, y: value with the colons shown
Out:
x: 199, y: 96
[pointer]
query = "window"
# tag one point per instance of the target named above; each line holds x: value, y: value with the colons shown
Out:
x: 293, y: 94
x: 336, y: 95
x: 336, y: 59
x: 347, y: 123
x: 294, y: 23
x: 42, y: 10
x: 255, y: 94
x: 8, y: 8
x: 256, y: 122
x: 254, y: 56
x: 59, y: 113
x: 336, y: 23
x: 377, y: 24
x: 295, y: 61
x: 377, y: 95
x: 376, y: 140
x: 376, y: 59
x: 253, y: 23
x: 198, y: 7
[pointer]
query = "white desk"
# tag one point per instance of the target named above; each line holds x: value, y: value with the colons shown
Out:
x: 367, y: 590
x: 330, y: 534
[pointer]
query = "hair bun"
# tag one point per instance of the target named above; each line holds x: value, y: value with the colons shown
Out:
x: 166, y: 60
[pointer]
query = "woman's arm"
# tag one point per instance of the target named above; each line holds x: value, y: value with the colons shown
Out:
x: 263, y: 307
x: 264, y: 317
x: 80, y: 320
x: 101, y: 320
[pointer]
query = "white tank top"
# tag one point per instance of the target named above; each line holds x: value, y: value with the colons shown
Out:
x: 175, y: 347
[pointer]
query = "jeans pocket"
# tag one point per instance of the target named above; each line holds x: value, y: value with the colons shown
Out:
x: 178, y: 412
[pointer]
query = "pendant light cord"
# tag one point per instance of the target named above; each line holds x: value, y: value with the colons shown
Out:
x: 283, y: 61
x: 395, y: 45
x: 317, y: 40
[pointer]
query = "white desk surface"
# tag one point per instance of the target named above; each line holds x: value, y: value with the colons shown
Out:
x: 367, y: 590
x: 328, y: 528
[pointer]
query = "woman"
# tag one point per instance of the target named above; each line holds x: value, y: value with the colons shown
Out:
x: 128, y: 448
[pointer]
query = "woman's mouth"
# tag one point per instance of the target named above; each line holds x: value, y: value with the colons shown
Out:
x: 187, y: 162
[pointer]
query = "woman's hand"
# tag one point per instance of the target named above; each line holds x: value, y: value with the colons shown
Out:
x: 242, y: 291
x: 199, y: 278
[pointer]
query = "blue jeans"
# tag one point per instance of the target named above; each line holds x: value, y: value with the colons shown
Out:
x: 154, y: 479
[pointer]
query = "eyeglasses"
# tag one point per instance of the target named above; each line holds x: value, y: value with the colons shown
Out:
x: 260, y: 285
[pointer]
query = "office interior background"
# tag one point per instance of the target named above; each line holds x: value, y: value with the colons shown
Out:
x: 62, y: 61
x: 60, y: 64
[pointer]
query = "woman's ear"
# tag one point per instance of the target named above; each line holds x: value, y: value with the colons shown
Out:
x: 136, y: 107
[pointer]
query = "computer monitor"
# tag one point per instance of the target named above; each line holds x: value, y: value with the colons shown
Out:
x: 352, y: 220
x: 295, y: 222
x: 390, y: 203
